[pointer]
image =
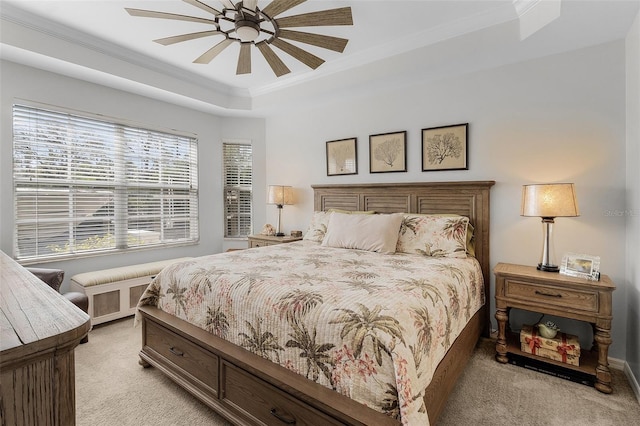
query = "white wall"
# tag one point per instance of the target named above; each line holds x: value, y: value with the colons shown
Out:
x: 560, y: 118
x: 21, y: 82
x: 555, y: 119
x: 632, y: 212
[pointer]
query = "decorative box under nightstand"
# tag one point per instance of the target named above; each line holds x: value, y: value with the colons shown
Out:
x: 524, y: 287
x: 563, y: 347
x: 269, y: 240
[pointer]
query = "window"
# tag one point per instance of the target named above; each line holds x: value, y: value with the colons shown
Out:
x: 237, y: 189
x: 84, y: 185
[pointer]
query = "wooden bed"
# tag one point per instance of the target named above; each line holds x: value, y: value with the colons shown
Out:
x: 250, y: 390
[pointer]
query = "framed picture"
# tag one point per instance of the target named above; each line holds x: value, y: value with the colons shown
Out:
x: 388, y: 152
x: 342, y: 157
x: 581, y: 265
x: 445, y: 148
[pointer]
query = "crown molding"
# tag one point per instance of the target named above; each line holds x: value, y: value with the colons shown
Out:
x: 29, y: 23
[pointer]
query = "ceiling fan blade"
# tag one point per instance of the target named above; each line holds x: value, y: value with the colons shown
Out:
x: 250, y: 4
x: 164, y: 15
x: 303, y: 56
x: 336, y: 44
x: 244, y: 60
x: 208, y: 56
x: 340, y: 16
x: 228, y: 4
x: 276, y: 7
x: 184, y: 37
x: 203, y: 6
x: 276, y: 64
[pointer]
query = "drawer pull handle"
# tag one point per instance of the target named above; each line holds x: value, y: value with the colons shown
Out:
x: 176, y: 351
x: 542, y: 293
x: 275, y: 414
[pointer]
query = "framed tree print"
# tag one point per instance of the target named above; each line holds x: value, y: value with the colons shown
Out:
x: 445, y: 148
x: 388, y: 152
x: 342, y: 158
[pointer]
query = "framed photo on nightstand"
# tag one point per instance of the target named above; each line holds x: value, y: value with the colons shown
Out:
x: 581, y: 265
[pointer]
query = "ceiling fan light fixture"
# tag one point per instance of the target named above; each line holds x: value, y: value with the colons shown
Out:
x: 247, y: 30
x: 242, y: 22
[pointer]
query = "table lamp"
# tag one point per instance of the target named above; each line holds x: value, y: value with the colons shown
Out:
x: 280, y: 195
x: 549, y: 201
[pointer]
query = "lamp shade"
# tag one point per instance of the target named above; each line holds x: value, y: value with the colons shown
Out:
x: 549, y: 200
x: 280, y: 195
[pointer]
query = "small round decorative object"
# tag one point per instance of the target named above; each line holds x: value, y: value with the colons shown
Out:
x: 268, y: 229
x: 548, y: 330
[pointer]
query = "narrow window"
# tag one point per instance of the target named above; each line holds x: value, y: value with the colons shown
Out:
x: 237, y: 189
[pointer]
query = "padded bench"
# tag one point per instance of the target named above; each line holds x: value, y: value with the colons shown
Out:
x: 114, y: 293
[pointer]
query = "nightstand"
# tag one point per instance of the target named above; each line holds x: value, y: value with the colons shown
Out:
x: 269, y: 240
x: 524, y: 287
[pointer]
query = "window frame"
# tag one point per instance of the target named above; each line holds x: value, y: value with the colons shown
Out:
x: 238, y: 187
x: 172, y: 151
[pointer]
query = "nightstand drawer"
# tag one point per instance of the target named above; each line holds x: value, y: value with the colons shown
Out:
x: 551, y: 295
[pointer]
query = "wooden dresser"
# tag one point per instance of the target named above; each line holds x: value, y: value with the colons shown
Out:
x: 39, y: 330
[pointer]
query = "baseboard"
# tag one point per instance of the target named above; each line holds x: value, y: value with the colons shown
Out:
x: 617, y: 364
x: 632, y: 381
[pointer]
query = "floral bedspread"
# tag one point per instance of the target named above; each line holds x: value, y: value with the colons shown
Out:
x: 370, y: 326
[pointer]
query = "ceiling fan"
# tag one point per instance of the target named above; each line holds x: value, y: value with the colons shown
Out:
x: 245, y: 23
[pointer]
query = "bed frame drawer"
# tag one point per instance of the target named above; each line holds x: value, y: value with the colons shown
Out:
x: 199, y: 363
x: 263, y: 403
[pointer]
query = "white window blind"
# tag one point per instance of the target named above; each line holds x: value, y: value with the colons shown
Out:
x: 83, y: 185
x: 237, y: 189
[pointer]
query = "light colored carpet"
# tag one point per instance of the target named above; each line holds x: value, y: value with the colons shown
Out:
x: 113, y: 389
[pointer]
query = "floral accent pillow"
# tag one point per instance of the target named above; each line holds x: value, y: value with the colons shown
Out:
x: 317, y: 227
x: 431, y: 235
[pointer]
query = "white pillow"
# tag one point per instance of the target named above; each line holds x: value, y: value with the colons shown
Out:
x: 377, y: 233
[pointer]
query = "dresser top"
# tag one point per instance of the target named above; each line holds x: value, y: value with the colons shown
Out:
x: 33, y: 316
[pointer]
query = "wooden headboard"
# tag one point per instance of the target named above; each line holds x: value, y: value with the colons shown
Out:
x: 469, y: 199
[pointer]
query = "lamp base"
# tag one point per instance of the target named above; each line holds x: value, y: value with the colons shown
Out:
x: 279, y: 234
x: 548, y: 268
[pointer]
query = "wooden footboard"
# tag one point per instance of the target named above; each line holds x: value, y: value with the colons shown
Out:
x: 250, y: 390
x: 241, y: 386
